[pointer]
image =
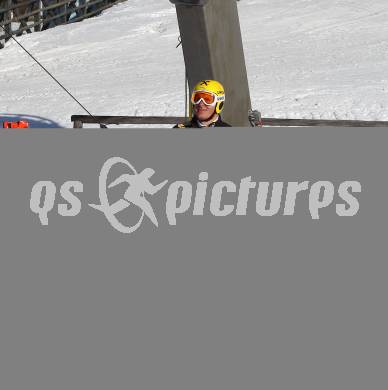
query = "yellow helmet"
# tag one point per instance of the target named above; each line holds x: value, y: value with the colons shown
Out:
x: 215, y: 88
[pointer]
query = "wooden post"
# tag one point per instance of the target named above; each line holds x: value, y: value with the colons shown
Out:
x: 37, y: 16
x: 78, y: 124
x: 2, y: 18
x: 41, y: 5
x: 64, y: 9
x: 213, y: 49
x: 8, y: 16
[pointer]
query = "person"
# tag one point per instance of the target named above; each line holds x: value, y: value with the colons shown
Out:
x: 208, y: 99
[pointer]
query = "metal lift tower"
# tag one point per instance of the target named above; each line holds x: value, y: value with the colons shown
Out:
x: 213, y: 49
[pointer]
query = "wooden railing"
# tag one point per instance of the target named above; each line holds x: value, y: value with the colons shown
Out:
x: 79, y: 120
x: 18, y: 16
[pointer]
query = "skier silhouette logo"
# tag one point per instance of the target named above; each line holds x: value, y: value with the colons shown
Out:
x: 138, y: 185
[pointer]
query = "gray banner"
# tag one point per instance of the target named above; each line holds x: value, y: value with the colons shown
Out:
x: 257, y: 300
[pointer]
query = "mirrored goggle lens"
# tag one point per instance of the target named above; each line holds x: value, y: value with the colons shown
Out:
x: 207, y: 97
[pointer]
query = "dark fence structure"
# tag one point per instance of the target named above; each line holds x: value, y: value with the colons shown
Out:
x: 79, y: 120
x: 26, y: 16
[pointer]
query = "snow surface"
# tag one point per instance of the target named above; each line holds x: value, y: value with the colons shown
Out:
x: 305, y: 59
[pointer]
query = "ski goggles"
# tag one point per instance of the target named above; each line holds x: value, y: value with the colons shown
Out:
x: 209, y: 98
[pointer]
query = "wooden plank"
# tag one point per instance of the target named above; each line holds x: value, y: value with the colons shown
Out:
x: 154, y: 120
x: 13, y: 6
x: 322, y: 122
x: 135, y: 120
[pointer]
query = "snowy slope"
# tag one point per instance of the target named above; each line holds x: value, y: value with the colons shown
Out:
x: 305, y: 59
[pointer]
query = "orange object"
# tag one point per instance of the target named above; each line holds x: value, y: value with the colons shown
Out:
x: 16, y: 125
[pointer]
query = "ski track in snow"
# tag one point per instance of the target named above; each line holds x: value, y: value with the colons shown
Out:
x: 321, y: 59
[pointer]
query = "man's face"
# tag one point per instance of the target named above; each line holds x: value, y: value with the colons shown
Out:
x: 204, y: 112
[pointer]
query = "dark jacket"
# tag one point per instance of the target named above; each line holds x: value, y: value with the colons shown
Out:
x: 194, y: 124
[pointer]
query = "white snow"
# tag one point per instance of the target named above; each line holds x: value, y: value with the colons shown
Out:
x: 305, y: 59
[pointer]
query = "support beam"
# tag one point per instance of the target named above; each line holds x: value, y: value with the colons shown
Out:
x: 213, y: 49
